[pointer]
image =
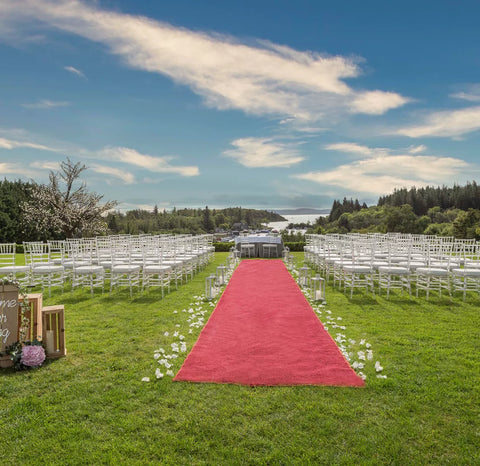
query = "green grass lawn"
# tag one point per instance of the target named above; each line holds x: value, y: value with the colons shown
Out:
x: 92, y: 407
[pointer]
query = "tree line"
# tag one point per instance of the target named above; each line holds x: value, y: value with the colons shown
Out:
x: 443, y: 211
x: 195, y: 221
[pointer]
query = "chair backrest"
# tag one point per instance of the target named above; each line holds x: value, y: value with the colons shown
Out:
x: 36, y: 253
x: 7, y: 254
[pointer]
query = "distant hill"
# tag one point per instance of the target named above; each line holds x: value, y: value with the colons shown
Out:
x: 303, y: 211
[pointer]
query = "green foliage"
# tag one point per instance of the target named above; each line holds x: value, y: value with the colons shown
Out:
x: 466, y: 224
x: 223, y: 247
x: 296, y: 246
x: 13, y: 228
x: 422, y: 199
x: 194, y: 221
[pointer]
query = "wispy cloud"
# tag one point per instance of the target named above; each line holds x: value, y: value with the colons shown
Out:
x: 46, y: 104
x: 451, y: 123
x: 46, y: 165
x: 263, y: 152
x: 74, y: 71
x: 11, y: 144
x: 149, y: 162
x: 259, y: 78
x: 8, y: 168
x: 470, y: 92
x: 125, y: 176
x: 417, y: 149
x: 382, y: 171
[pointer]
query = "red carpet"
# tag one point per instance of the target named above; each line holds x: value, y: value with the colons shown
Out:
x: 264, y: 332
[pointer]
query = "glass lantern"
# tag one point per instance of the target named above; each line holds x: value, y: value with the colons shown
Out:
x: 220, y: 276
x: 210, y: 289
x: 304, y: 277
x: 318, y: 288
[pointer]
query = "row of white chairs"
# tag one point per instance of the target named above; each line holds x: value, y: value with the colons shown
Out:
x: 396, y: 261
x: 126, y: 260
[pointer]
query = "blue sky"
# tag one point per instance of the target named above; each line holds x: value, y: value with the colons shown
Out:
x: 265, y: 104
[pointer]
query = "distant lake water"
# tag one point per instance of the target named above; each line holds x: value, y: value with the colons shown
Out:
x: 295, y: 219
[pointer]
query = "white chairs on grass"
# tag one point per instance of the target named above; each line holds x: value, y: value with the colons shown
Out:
x: 393, y: 275
x: 43, y: 271
x: 467, y: 278
x: 436, y: 275
x: 8, y: 264
x: 85, y: 273
x: 359, y: 274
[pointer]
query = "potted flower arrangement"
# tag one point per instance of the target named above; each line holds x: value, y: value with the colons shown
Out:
x: 23, y: 353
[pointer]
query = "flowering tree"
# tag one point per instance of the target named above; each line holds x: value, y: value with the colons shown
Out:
x: 64, y: 207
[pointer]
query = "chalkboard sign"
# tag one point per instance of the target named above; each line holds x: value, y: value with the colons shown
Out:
x: 9, y: 310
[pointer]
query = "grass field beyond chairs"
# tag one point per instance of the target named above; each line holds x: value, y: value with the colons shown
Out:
x: 93, y: 408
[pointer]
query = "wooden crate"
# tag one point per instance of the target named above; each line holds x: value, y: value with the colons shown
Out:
x: 53, y: 327
x: 34, y: 315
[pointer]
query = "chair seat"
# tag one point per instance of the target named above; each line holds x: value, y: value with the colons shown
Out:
x: 126, y: 268
x: 432, y: 271
x: 467, y: 272
x: 357, y: 268
x: 392, y: 270
x: 41, y: 269
x: 14, y: 269
x: 88, y: 269
x: 156, y: 268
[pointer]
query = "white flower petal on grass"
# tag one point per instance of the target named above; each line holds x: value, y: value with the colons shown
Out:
x: 381, y: 376
x: 361, y: 355
x: 166, y: 334
x: 368, y: 345
x: 362, y: 342
x: 146, y: 379
x: 175, y: 312
x: 378, y: 367
x: 362, y: 376
x: 369, y: 355
x: 158, y: 373
x: 170, y: 373
x: 157, y: 356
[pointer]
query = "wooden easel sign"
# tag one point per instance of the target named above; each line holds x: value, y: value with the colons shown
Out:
x: 9, y: 307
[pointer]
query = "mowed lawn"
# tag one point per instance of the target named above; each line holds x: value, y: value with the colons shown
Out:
x: 92, y: 407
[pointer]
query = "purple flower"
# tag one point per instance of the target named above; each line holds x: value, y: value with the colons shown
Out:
x: 32, y: 355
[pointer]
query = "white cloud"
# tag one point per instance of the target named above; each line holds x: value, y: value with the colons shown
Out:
x: 417, y: 149
x: 261, y: 79
x: 7, y: 168
x: 377, y: 102
x: 451, y: 123
x: 75, y: 71
x: 126, y: 177
x: 154, y: 164
x: 466, y: 96
x: 10, y: 144
x: 46, y: 165
x: 350, y: 147
x: 263, y: 152
x: 382, y: 172
x: 46, y: 104
x: 471, y: 93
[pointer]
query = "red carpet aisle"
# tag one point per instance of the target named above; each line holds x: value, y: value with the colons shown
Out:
x: 264, y: 332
